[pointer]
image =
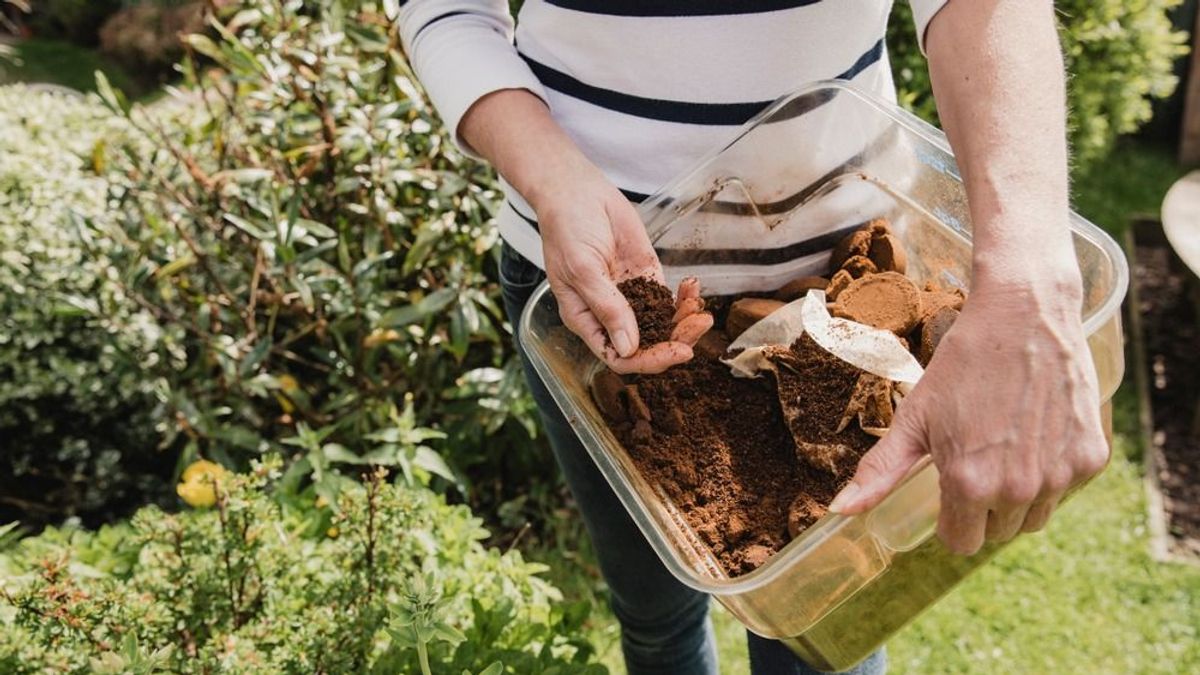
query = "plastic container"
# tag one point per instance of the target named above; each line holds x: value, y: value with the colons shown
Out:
x: 813, y: 166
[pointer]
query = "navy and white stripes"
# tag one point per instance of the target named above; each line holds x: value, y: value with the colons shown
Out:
x: 643, y: 87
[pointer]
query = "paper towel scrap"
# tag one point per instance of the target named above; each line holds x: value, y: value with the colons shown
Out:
x: 874, y: 350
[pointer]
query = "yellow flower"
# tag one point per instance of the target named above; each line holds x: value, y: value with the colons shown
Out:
x: 322, y: 502
x: 381, y: 336
x: 288, y: 383
x: 333, y: 532
x: 197, y: 484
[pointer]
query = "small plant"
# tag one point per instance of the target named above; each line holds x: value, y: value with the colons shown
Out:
x: 387, y: 578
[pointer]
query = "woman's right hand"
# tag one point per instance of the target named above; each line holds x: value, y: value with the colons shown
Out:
x: 593, y: 239
x: 591, y: 235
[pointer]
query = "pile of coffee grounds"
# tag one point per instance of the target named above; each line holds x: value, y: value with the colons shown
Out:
x: 654, y: 307
x: 720, y: 449
x: 814, y: 388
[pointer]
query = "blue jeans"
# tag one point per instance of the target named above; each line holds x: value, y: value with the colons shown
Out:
x: 664, y: 624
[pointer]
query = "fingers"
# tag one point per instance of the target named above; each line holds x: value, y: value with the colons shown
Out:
x: 685, y: 307
x: 653, y: 359
x: 578, y: 318
x: 690, y: 329
x: 688, y: 288
x: 610, y: 308
x: 962, y: 524
x: 1004, y: 524
x: 880, y: 470
x: 1039, y: 514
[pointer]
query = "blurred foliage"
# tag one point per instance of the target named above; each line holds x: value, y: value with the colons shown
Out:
x: 386, y: 579
x: 1119, y: 56
x: 77, y: 414
x: 319, y: 256
x: 143, y: 37
x: 78, y: 21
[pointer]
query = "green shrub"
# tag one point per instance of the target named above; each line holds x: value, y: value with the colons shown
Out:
x: 1119, y: 56
x: 77, y: 412
x: 305, y: 229
x: 381, y: 580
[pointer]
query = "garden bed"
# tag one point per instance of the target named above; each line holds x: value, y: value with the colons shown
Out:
x: 1163, y: 318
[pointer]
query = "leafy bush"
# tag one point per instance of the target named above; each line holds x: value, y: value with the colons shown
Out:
x: 1119, y: 56
x: 306, y: 231
x: 77, y: 413
x: 386, y: 579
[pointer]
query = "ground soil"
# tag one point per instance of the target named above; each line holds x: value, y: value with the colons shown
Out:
x: 654, y: 307
x: 1171, y: 332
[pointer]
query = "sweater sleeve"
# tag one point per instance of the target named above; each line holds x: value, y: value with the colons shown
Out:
x: 923, y: 12
x: 463, y: 50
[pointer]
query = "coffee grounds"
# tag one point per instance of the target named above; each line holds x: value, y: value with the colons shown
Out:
x: 722, y: 451
x: 654, y: 307
x: 814, y: 389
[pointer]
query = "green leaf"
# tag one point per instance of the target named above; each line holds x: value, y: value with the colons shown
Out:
x: 427, y: 236
x: 316, y: 229
x: 336, y: 452
x: 175, y: 266
x: 448, y: 633
x: 496, y: 668
x: 205, y: 45
x: 432, y: 462
x: 427, y: 306
x: 112, y: 98
x: 247, y: 227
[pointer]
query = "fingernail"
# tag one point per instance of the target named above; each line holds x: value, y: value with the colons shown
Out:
x: 622, y: 343
x: 844, y: 498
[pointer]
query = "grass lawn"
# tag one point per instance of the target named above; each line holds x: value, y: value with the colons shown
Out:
x: 1082, y: 597
x: 58, y: 62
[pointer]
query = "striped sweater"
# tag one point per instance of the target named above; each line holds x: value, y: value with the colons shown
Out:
x: 643, y: 87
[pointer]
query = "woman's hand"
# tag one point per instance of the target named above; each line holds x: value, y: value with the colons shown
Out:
x: 1009, y: 411
x: 591, y: 235
x: 592, y: 240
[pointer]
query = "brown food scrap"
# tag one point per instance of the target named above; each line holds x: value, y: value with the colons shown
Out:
x: 888, y: 300
x: 653, y: 306
x: 609, y: 395
x: 712, y: 345
x: 888, y: 253
x: 859, y: 266
x: 798, y: 288
x: 857, y: 242
x: 878, y: 227
x: 841, y: 279
x: 642, y: 432
x: 871, y: 404
x: 803, y: 512
x: 934, y: 297
x: 637, y: 407
x: 735, y: 528
x: 829, y: 456
x: 755, y: 556
x: 933, y: 330
x: 747, y: 312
